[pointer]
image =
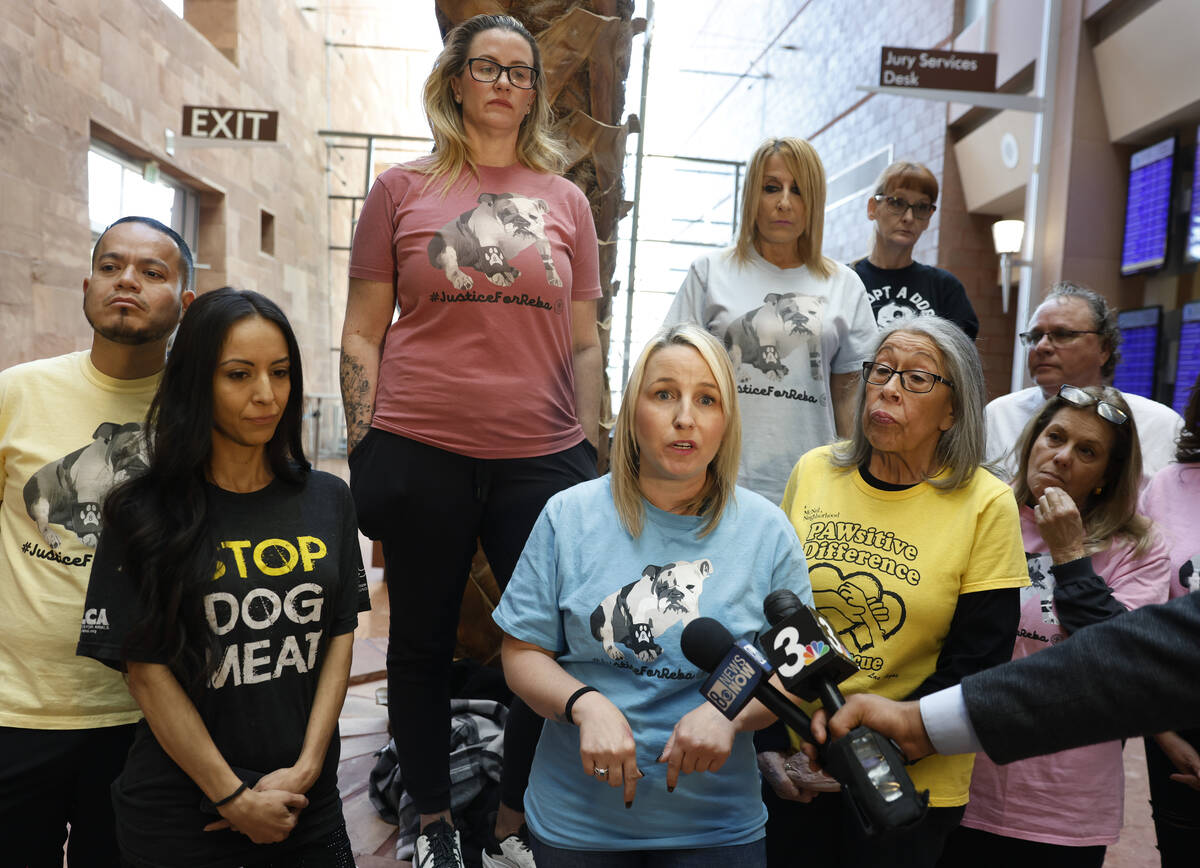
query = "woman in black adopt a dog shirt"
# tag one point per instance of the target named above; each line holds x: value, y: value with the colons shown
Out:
x: 227, y: 586
x: 481, y: 399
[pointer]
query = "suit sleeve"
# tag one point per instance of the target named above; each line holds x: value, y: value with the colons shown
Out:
x: 1124, y: 677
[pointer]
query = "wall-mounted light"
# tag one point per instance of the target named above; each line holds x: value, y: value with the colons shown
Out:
x: 1007, y: 236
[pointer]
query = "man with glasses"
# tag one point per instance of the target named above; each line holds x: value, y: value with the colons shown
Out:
x: 898, y: 286
x: 1073, y: 338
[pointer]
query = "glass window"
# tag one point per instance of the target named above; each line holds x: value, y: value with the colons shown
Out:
x: 118, y: 186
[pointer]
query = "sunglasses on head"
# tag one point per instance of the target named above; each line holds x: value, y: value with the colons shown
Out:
x: 1077, y: 397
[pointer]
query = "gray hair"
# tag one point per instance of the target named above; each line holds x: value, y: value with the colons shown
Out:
x: 1104, y: 319
x: 960, y: 449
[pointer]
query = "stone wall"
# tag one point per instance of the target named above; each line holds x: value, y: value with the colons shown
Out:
x: 120, y: 71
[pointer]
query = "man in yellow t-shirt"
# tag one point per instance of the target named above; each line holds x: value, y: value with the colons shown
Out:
x: 70, y: 429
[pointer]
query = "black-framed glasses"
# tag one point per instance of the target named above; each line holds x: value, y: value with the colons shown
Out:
x: 916, y: 380
x: 1077, y: 397
x: 487, y: 71
x: 1058, y: 337
x: 897, y: 205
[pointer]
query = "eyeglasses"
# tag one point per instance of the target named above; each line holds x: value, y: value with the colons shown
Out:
x: 1077, y: 397
x: 911, y: 381
x: 896, y: 206
x: 488, y: 71
x: 1058, y: 338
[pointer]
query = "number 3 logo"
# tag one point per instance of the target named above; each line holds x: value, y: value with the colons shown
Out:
x: 788, y: 641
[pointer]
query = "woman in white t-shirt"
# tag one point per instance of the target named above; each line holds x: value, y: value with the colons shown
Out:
x: 481, y: 399
x: 797, y: 325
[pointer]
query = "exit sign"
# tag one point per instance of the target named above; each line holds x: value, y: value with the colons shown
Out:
x: 232, y: 124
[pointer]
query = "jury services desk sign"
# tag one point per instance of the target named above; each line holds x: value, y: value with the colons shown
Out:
x: 230, y: 124
x: 940, y: 70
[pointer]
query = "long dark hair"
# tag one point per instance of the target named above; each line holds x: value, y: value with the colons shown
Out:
x: 161, y: 516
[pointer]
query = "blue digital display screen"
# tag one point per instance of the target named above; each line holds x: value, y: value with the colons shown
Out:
x: 1193, y: 235
x: 1187, y: 368
x: 1148, y: 208
x: 1140, y: 334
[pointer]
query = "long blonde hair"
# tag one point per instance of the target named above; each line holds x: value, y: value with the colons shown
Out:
x: 722, y: 470
x: 806, y: 170
x: 537, y: 147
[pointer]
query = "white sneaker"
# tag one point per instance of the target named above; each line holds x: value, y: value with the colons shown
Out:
x: 438, y: 847
x: 512, y: 852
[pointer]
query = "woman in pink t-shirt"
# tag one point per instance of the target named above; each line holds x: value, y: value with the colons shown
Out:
x: 1091, y: 557
x: 1172, y: 499
x: 481, y: 399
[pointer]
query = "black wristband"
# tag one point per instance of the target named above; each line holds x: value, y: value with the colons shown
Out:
x: 574, y: 696
x: 229, y: 798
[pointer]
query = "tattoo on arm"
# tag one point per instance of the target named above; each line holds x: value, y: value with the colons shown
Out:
x: 358, y: 398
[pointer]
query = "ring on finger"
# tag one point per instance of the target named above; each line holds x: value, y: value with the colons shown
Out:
x: 600, y: 772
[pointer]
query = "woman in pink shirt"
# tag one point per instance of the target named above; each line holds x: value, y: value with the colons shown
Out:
x: 480, y: 399
x: 1172, y: 499
x: 1091, y: 557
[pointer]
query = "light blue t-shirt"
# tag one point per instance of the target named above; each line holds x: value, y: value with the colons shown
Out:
x: 613, y: 608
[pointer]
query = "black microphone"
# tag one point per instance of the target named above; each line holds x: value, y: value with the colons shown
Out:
x: 811, y: 661
x: 868, y: 766
x: 804, y: 649
x: 739, y: 674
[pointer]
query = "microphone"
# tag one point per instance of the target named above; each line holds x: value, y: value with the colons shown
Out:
x: 808, y: 655
x: 739, y: 674
x: 812, y: 661
x: 869, y: 767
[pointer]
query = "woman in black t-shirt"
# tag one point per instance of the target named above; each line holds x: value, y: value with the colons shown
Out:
x: 227, y: 586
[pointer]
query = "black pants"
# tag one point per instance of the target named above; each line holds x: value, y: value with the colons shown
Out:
x: 332, y: 851
x: 971, y: 848
x: 52, y: 777
x: 1176, y: 807
x: 427, y: 507
x: 826, y: 832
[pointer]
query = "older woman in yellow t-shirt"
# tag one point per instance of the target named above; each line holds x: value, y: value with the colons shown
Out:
x: 915, y: 558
